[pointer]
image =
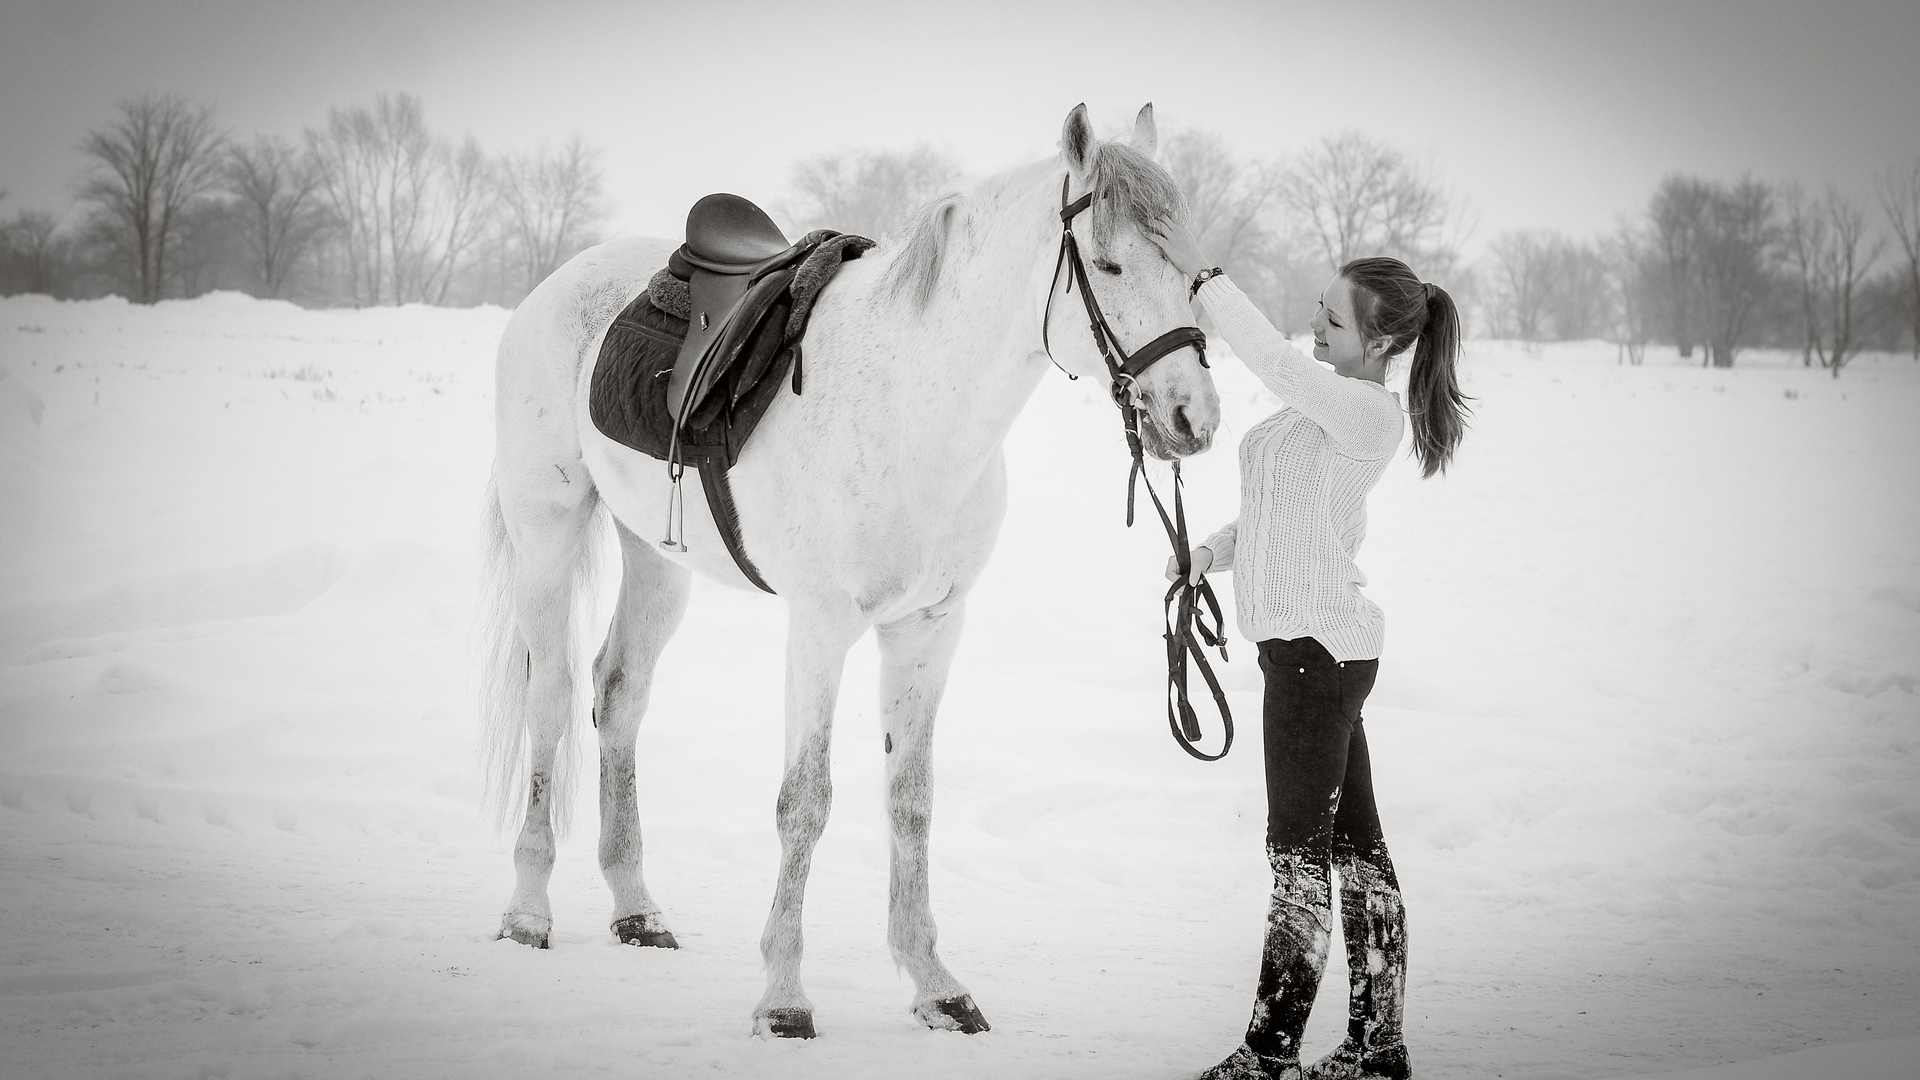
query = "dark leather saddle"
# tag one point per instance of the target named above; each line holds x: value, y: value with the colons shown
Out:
x: 730, y: 263
x: 687, y: 370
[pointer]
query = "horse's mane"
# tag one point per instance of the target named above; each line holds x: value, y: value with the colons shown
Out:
x: 923, y: 246
x: 1128, y: 186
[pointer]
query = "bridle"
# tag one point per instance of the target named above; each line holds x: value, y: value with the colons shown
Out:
x: 1183, y: 614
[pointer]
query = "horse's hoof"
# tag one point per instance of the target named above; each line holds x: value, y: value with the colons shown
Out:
x: 784, y: 1024
x: 525, y: 937
x: 953, y: 1014
x: 527, y: 930
x: 645, y: 930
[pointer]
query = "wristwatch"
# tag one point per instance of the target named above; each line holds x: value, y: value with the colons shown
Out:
x: 1202, y: 278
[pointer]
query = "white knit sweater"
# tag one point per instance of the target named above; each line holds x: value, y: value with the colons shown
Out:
x: 1304, y: 476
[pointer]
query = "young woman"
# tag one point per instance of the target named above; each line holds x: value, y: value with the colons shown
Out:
x: 1304, y: 477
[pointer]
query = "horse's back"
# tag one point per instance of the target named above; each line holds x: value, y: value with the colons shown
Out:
x: 576, y: 302
x: 544, y: 353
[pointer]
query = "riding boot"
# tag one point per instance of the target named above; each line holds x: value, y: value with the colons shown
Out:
x: 1246, y: 1064
x: 1299, y: 929
x: 1375, y: 925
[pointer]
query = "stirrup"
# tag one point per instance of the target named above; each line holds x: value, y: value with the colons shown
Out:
x: 676, y: 512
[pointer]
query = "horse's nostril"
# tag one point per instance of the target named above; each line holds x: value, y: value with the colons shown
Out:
x: 1181, y: 426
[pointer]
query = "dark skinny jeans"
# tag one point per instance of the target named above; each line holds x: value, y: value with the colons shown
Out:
x: 1321, y: 815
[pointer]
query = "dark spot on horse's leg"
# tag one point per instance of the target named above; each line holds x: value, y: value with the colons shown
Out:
x: 954, y: 1014
x: 889, y: 744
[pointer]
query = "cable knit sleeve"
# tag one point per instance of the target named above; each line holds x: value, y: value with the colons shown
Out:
x: 1359, y: 417
x: 1222, y: 545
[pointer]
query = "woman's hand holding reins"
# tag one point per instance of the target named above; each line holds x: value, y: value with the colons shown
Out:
x: 1199, y: 562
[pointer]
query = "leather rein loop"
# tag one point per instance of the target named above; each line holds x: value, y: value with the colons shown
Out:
x: 1184, y: 617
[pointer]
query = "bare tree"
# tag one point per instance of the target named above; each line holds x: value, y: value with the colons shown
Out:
x: 1580, y: 303
x: 551, y: 206
x: 1522, y: 282
x: 277, y: 198
x: 411, y: 208
x: 867, y: 192
x: 1900, y: 198
x: 206, y: 250
x: 1234, y: 209
x: 1229, y: 199
x: 1826, y: 246
x: 1736, y: 250
x: 463, y: 204
x: 34, y: 257
x: 1357, y: 197
x: 149, y: 167
x: 1634, y: 274
x: 1677, y: 216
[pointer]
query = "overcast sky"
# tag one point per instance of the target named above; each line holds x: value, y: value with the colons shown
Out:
x: 1539, y: 113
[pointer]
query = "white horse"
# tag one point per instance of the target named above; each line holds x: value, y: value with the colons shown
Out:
x: 869, y: 501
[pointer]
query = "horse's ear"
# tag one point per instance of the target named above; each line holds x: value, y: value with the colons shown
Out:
x: 1146, y: 138
x: 1076, y: 140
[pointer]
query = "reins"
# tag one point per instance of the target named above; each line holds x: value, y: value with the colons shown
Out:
x: 1184, y: 617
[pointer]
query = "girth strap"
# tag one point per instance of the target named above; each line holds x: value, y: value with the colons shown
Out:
x: 713, y: 480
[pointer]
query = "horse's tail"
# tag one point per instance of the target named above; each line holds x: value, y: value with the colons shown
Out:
x: 507, y: 668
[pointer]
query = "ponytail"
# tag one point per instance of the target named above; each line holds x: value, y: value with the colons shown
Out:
x: 1437, y: 407
x: 1391, y: 302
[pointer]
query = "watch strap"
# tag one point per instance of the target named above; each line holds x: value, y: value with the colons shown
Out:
x: 1202, y: 278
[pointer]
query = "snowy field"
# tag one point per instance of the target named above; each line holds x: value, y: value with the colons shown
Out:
x: 1647, y: 739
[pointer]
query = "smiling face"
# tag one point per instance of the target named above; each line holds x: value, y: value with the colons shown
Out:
x: 1337, y: 340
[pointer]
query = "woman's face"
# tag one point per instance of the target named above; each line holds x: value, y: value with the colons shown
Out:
x: 1336, y: 335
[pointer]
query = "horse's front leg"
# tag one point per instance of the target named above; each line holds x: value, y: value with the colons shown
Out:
x: 819, y: 632
x: 915, y: 655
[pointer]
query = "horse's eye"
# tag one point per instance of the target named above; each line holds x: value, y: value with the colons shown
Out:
x: 1106, y: 266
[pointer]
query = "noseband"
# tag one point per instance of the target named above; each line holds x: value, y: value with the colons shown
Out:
x: 1183, y: 614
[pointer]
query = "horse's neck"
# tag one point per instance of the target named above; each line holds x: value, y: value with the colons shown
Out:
x: 973, y: 346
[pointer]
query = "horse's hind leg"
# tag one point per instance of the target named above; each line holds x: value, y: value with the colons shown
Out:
x: 819, y: 632
x: 915, y: 656
x: 549, y: 533
x: 653, y: 596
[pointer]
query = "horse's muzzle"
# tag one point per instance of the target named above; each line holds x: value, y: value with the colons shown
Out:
x: 1182, y: 434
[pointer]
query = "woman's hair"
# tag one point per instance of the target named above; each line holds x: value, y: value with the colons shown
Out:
x: 1390, y: 302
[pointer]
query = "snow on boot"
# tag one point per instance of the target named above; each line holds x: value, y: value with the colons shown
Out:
x: 1349, y: 1062
x: 1374, y: 923
x: 1245, y: 1064
x: 1299, y: 929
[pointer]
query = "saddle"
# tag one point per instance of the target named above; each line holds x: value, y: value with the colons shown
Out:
x: 732, y: 247
x: 691, y: 365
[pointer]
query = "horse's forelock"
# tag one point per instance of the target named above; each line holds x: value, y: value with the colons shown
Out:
x: 1130, y: 186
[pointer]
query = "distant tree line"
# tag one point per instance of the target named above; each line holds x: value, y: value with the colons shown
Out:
x: 1718, y: 267
x: 371, y: 207
x: 1711, y: 268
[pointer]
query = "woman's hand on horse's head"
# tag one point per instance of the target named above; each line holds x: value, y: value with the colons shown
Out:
x: 1176, y: 241
x: 1199, y: 563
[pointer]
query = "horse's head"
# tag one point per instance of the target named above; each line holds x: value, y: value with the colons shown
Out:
x: 1140, y: 293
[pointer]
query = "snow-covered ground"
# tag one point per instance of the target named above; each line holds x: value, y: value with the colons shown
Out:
x: 1646, y: 736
